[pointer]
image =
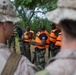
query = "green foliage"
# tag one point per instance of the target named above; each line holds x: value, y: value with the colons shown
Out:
x: 53, y: 4
x: 31, y: 5
x: 50, y: 4
x: 37, y: 22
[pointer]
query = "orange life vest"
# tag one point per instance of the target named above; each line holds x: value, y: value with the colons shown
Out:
x: 38, y: 40
x: 58, y: 41
x: 26, y: 36
x: 53, y: 37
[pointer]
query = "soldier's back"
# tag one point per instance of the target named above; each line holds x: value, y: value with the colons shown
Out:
x: 25, y: 67
x: 63, y: 64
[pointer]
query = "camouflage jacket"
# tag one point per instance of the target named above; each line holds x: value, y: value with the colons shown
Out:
x: 63, y: 64
x: 25, y: 67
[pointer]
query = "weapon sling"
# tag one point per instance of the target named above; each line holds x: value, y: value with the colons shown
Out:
x: 11, y: 64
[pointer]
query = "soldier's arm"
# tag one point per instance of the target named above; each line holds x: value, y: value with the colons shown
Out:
x: 25, y: 67
x: 41, y: 44
x: 43, y: 39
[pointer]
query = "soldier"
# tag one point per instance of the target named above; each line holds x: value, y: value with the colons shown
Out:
x: 12, y: 41
x: 53, y: 36
x: 41, y: 41
x: 11, y: 63
x: 58, y: 43
x: 19, y: 31
x: 65, y: 61
x: 27, y: 38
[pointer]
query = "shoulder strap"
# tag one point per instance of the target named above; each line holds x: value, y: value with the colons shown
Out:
x: 11, y: 64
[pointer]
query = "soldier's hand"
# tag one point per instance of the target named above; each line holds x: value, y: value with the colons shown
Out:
x: 33, y: 43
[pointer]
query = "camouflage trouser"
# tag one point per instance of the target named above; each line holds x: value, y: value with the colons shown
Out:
x: 27, y: 50
x: 55, y: 51
x: 12, y: 43
x: 22, y: 51
x: 40, y: 57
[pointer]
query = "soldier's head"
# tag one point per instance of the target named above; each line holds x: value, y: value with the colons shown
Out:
x: 28, y: 28
x: 53, y: 26
x: 7, y: 18
x: 65, y: 17
x: 41, y: 28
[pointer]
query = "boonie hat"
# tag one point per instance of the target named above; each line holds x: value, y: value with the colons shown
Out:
x: 7, y: 11
x: 66, y: 10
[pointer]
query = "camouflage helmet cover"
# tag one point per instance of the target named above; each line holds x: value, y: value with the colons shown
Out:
x: 7, y: 11
x: 66, y: 10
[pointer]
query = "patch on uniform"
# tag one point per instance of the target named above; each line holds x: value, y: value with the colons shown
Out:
x: 43, y: 38
x: 44, y: 72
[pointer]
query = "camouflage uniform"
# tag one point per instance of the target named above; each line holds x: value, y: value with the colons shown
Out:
x: 40, y: 52
x: 40, y: 57
x: 12, y: 43
x: 7, y: 18
x: 27, y: 41
x: 63, y: 64
x: 65, y: 61
x: 27, y: 50
x: 24, y: 67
